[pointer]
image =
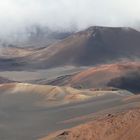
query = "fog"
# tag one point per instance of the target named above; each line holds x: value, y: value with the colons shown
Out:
x: 17, y: 15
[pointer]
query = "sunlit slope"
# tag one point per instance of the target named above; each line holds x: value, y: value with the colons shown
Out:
x: 123, y: 75
x: 44, y: 95
x: 123, y: 126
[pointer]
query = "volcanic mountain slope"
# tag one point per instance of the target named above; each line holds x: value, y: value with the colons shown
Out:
x: 14, y: 52
x: 123, y: 126
x: 49, y: 95
x: 123, y: 75
x: 32, y: 111
x: 13, y: 57
x: 92, y: 46
x: 5, y: 80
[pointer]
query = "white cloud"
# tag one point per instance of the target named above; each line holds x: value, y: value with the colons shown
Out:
x: 16, y: 14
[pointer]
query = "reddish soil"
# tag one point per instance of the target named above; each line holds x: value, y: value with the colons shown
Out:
x: 123, y: 126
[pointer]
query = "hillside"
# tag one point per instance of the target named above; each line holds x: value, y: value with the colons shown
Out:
x: 124, y: 75
x: 92, y: 46
x: 123, y: 126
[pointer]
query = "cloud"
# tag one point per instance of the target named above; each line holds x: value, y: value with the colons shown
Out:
x: 19, y: 14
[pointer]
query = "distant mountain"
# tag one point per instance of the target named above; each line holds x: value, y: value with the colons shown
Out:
x: 95, y: 45
x: 92, y: 46
x: 14, y: 52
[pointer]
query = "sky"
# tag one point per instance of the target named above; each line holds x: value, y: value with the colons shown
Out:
x: 16, y: 15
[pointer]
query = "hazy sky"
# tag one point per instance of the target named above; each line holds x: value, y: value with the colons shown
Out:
x: 17, y: 14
